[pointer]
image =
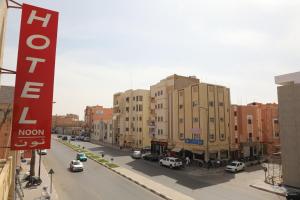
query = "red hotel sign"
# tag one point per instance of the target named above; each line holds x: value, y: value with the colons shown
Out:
x: 34, y: 81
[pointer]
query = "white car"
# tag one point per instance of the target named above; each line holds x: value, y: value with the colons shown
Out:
x: 235, y: 166
x: 76, y: 165
x: 42, y: 152
x: 136, y: 154
x: 170, y: 162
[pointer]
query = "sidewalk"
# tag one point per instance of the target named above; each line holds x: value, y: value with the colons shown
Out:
x: 261, y: 185
x: 35, y: 193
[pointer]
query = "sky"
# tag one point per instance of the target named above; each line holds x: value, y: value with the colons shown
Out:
x: 105, y: 47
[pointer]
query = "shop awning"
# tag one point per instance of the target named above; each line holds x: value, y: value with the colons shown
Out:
x: 176, y: 149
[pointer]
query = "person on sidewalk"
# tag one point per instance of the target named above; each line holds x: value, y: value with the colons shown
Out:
x: 187, y: 161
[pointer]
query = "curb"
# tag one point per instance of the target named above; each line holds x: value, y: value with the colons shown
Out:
x: 128, y: 178
x: 265, y: 190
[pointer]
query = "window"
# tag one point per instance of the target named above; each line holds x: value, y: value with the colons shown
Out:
x: 127, y: 119
x: 127, y: 129
x: 140, y: 118
x: 161, y: 119
x: 221, y: 119
x: 249, y: 121
x: 276, y: 134
x: 235, y: 113
x: 155, y: 94
x: 180, y: 120
x: 155, y: 106
x: 235, y: 127
x: 236, y: 140
x: 180, y: 106
x: 211, y: 119
x: 195, y: 119
x: 275, y: 121
x: 211, y: 137
x: 133, y: 129
x: 140, y: 129
x: 133, y: 98
x: 161, y: 92
x: 211, y: 103
x: 127, y: 99
x: 127, y: 109
x: 158, y: 131
x: 158, y: 93
x: 195, y: 103
x: 140, y: 107
x: 140, y: 98
x: 161, y: 131
x: 133, y: 119
x: 250, y: 135
x: 155, y: 118
x: 222, y: 136
x: 133, y: 108
x: 221, y: 104
x: 161, y: 105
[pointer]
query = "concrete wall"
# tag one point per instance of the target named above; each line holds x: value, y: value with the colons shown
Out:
x: 289, y: 122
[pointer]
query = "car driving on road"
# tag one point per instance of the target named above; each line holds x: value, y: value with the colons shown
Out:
x: 81, y: 157
x: 170, y: 162
x: 235, y: 166
x: 76, y: 165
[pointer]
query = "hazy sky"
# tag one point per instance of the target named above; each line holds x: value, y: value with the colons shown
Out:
x: 107, y: 46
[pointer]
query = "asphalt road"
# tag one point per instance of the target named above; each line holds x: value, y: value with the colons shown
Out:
x: 222, y: 185
x: 94, y: 183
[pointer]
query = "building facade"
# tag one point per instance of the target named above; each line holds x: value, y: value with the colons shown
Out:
x: 95, y: 113
x: 102, y: 131
x: 255, y: 130
x: 161, y: 110
x: 289, y: 125
x: 130, y: 118
x: 67, y: 124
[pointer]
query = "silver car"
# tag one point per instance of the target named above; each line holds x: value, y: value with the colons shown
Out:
x: 136, y: 154
x: 76, y: 166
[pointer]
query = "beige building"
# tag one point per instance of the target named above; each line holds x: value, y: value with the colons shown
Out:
x: 289, y: 126
x: 67, y: 124
x: 191, y: 116
x: 161, y: 120
x: 130, y: 118
x: 102, y: 131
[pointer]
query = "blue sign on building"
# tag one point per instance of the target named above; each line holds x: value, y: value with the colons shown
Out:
x: 194, y: 141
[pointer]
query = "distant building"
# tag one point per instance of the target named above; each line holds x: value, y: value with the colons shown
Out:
x: 255, y: 130
x: 103, y: 131
x: 289, y: 124
x: 130, y: 118
x: 67, y: 124
x: 6, y: 108
x: 95, y: 113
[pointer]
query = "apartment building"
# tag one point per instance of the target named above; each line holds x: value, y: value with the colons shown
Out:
x: 67, y: 124
x: 255, y: 130
x: 102, y: 131
x: 201, y: 121
x: 289, y: 125
x: 130, y: 118
x: 95, y: 113
x: 161, y: 110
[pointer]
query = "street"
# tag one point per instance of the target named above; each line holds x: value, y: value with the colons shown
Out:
x: 197, y: 183
x: 95, y: 182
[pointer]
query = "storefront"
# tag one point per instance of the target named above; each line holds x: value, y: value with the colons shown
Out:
x: 158, y: 147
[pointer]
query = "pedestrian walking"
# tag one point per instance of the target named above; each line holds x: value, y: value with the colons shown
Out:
x: 187, y: 161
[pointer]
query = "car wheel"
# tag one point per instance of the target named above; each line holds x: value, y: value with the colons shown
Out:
x: 235, y: 170
x: 160, y: 163
x: 171, y: 166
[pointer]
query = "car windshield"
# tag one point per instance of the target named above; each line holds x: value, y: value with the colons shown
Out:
x: 233, y: 164
x: 81, y: 154
x: 76, y: 163
x: 177, y: 160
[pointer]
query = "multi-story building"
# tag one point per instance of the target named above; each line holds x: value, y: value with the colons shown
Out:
x: 201, y: 121
x: 6, y: 107
x: 95, y: 113
x: 130, y: 118
x: 255, y: 130
x: 289, y: 125
x: 102, y: 131
x: 161, y: 110
x: 67, y: 124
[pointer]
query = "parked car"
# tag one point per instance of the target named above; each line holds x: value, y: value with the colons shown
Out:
x: 171, y: 162
x: 86, y: 139
x: 64, y: 137
x: 151, y: 157
x: 81, y: 157
x: 42, y: 152
x: 73, y: 138
x: 235, y: 166
x: 136, y: 154
x: 59, y: 136
x: 76, y: 165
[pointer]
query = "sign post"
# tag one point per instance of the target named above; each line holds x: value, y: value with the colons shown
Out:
x: 51, y: 172
x: 31, y: 126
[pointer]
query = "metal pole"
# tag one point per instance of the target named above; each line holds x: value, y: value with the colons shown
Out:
x: 50, y: 183
x: 40, y: 159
